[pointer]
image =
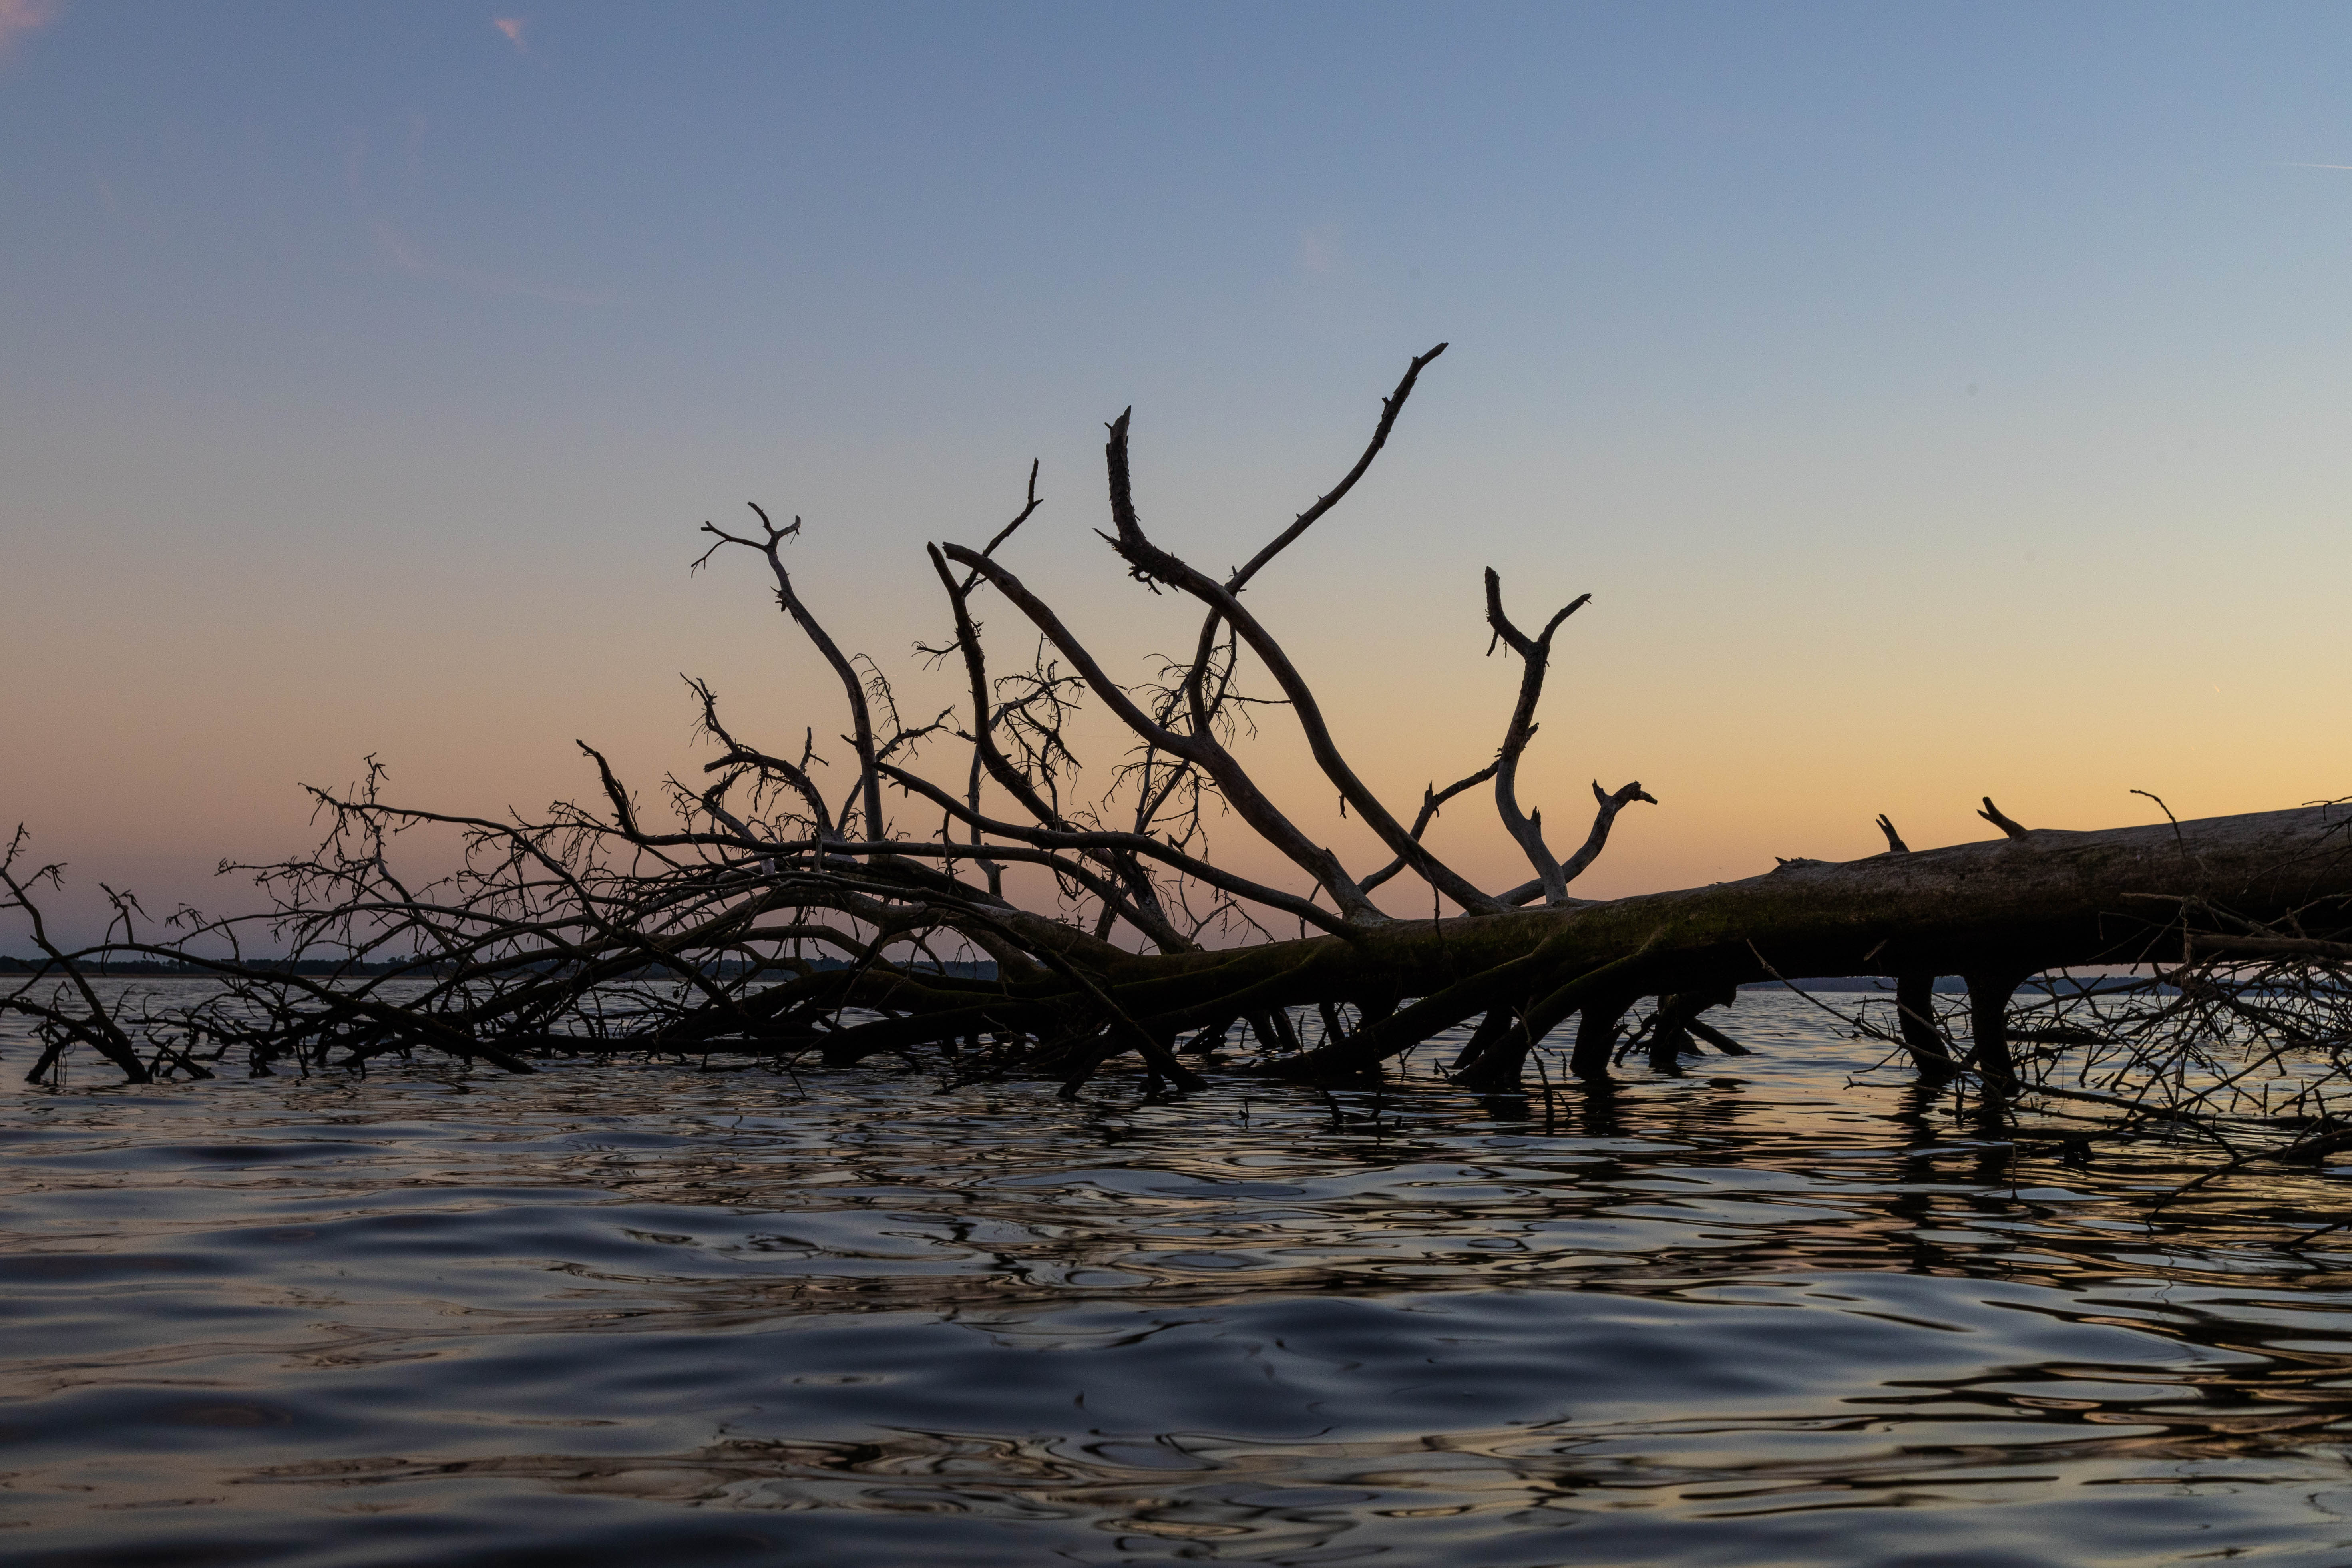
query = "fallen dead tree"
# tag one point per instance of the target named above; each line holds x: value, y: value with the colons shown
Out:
x: 767, y: 914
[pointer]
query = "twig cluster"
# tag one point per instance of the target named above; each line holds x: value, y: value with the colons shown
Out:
x: 786, y: 905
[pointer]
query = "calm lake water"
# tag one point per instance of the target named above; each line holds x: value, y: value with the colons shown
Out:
x: 1758, y: 1315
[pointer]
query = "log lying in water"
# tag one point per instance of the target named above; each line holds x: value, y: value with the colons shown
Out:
x: 785, y: 911
x: 1995, y: 912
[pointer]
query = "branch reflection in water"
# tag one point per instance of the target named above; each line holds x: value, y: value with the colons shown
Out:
x: 1768, y: 1315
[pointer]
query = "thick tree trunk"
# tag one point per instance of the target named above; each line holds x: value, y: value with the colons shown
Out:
x: 1914, y: 1003
x: 1996, y: 910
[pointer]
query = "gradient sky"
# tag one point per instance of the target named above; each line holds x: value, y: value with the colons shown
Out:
x: 1937, y: 401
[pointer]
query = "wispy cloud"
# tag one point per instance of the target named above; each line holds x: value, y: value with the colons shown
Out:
x: 408, y: 256
x: 2316, y: 165
x: 18, y: 17
x: 510, y: 25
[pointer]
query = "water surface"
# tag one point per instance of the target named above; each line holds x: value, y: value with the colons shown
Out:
x: 1760, y: 1314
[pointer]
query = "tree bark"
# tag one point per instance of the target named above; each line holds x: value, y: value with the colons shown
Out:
x: 2010, y: 907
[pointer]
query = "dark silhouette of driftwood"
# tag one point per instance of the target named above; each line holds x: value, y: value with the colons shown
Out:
x: 600, y: 928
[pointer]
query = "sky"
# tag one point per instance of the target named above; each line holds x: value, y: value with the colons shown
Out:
x: 1937, y: 401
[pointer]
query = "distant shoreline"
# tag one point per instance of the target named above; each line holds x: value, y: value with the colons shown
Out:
x: 151, y: 969
x: 1867, y: 984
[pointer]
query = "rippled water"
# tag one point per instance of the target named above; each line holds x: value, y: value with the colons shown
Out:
x: 1756, y: 1315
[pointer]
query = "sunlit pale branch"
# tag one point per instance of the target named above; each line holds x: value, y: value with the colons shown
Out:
x: 1610, y: 803
x: 1535, y: 658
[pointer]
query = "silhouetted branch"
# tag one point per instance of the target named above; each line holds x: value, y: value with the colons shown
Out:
x: 1001, y: 937
x: 1611, y: 803
x: 1992, y: 814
